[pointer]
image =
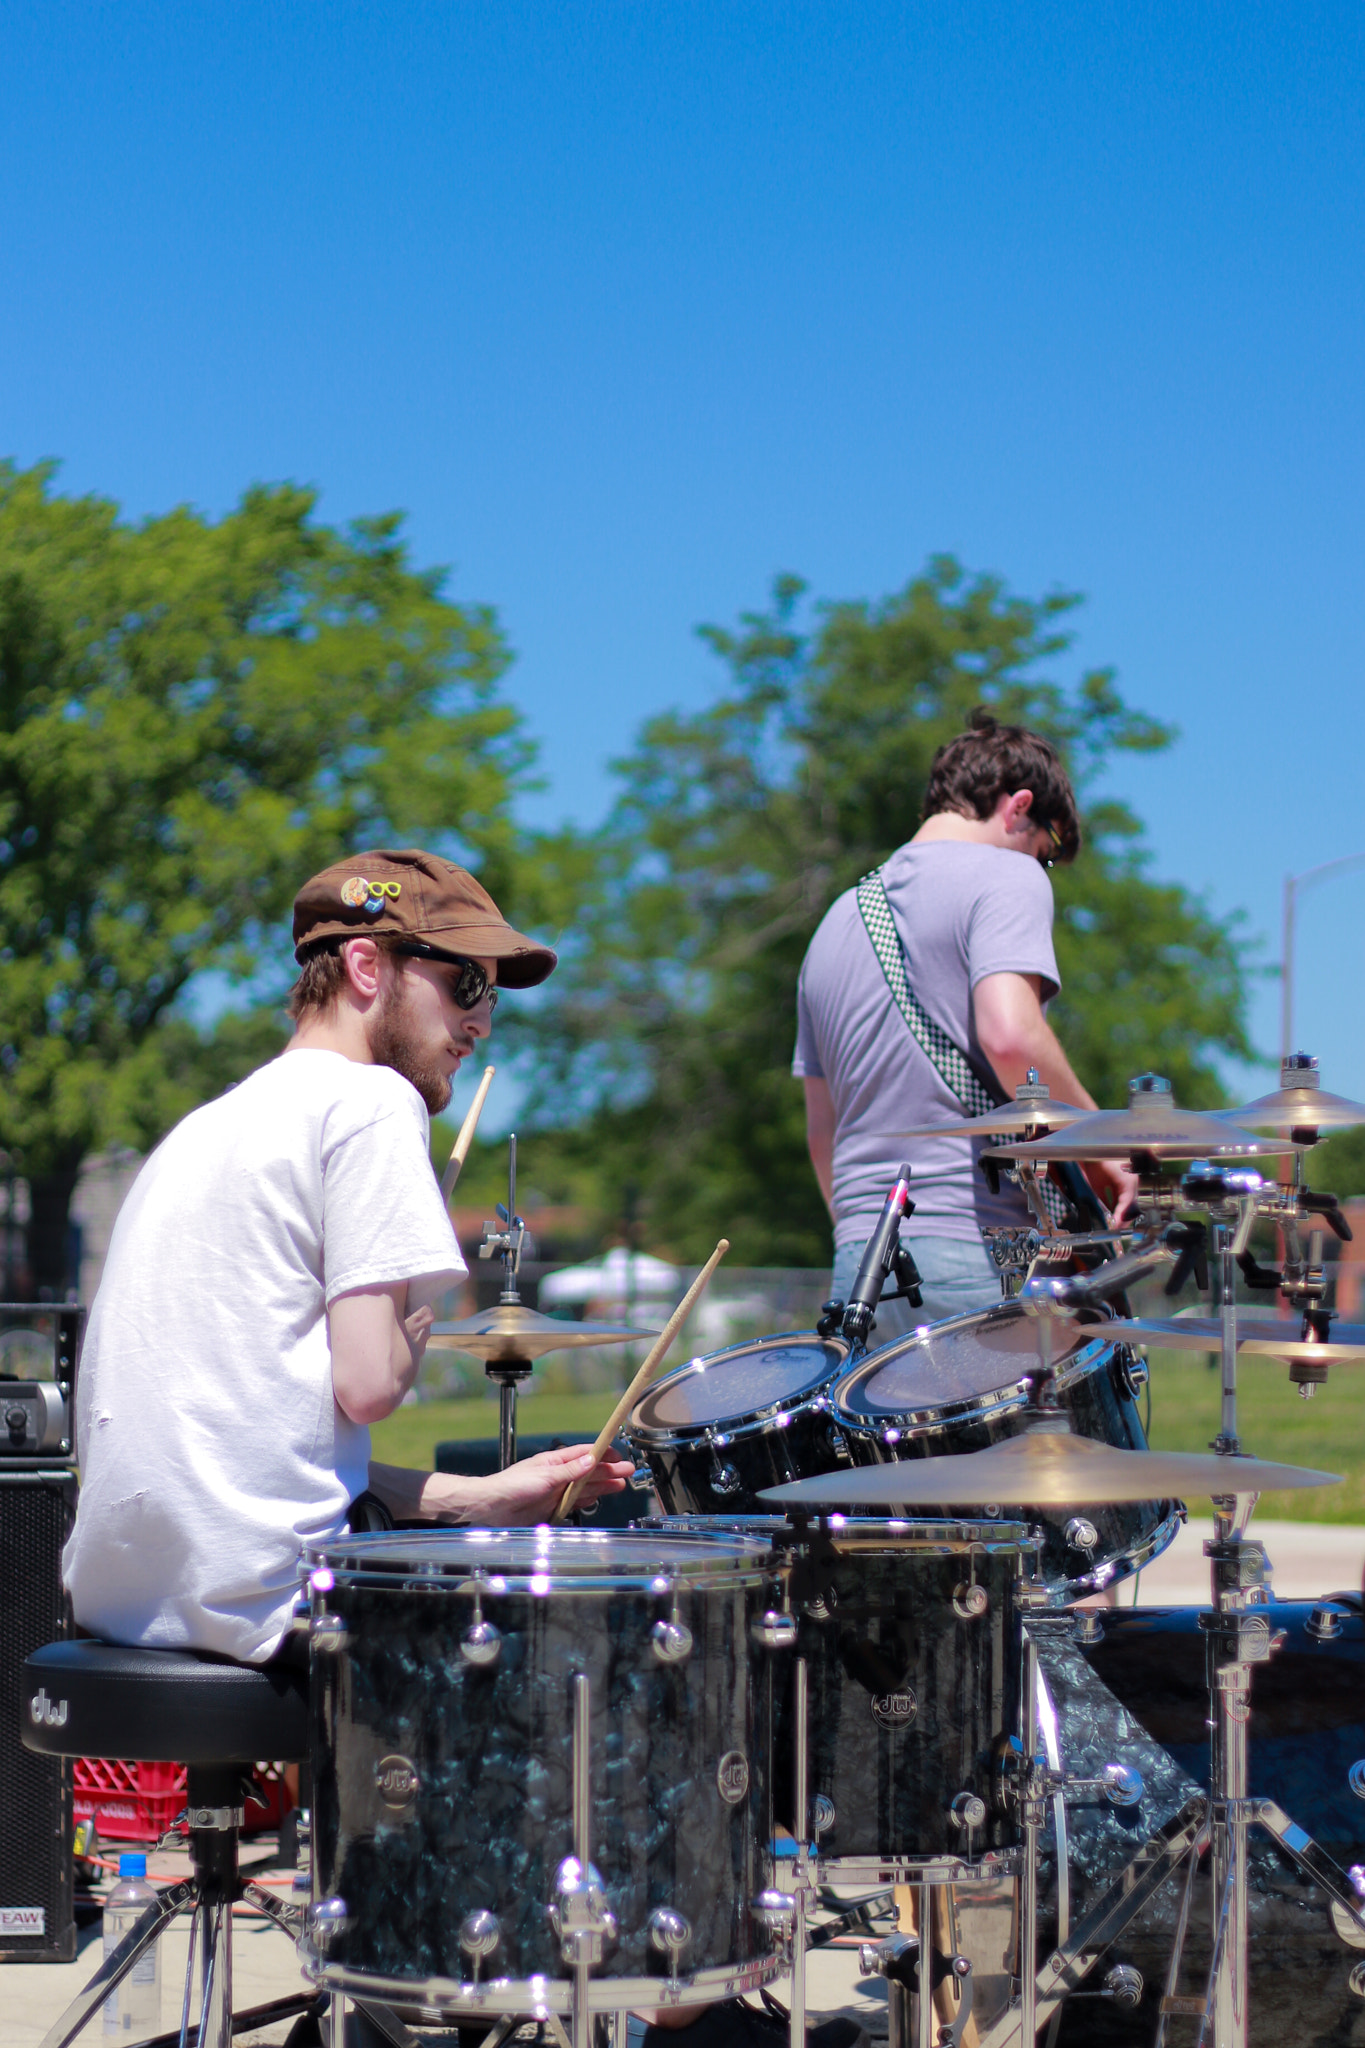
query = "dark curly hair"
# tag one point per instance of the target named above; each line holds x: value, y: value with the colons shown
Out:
x: 971, y: 773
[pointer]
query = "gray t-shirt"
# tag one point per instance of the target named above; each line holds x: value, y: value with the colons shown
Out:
x: 963, y: 911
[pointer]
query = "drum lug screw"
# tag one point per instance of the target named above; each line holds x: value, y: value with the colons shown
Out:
x: 670, y: 1933
x: 968, y: 1810
x: 1081, y: 1534
x: 776, y: 1911
x: 479, y: 1936
x: 1324, y: 1626
x: 774, y: 1631
x: 1087, y: 1628
x: 327, y: 1918
x: 671, y: 1640
x: 328, y: 1632
x: 481, y: 1643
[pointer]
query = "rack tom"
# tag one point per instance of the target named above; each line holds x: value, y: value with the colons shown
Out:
x: 961, y: 1385
x: 719, y: 1429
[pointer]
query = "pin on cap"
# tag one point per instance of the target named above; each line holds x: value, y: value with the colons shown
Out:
x: 416, y: 895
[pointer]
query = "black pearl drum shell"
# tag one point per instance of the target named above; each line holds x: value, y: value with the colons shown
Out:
x: 710, y: 1453
x: 910, y: 1702
x: 679, y: 1765
x: 957, y: 1386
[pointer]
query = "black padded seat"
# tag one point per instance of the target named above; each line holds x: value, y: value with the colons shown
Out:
x: 98, y: 1699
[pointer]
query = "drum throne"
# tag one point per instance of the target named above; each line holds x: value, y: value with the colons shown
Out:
x: 215, y: 1718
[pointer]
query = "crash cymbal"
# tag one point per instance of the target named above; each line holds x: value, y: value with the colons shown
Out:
x: 1297, y: 1109
x: 1044, y: 1469
x: 1257, y: 1336
x: 514, y: 1331
x: 1152, y: 1125
x: 1010, y: 1120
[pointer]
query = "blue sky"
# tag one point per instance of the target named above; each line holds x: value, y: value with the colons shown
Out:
x: 631, y: 307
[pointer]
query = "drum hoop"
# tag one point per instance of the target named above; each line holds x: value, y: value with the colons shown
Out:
x: 977, y: 1538
x: 743, y: 1566
x: 808, y: 1399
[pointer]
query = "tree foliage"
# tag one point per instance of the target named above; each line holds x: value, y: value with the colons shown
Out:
x: 736, y: 827
x: 194, y: 715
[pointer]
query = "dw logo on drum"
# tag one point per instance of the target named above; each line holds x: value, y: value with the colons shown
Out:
x: 894, y: 1709
x: 732, y: 1776
x: 396, y: 1782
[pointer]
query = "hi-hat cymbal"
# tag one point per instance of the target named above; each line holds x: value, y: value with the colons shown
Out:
x: 1011, y: 1119
x: 1297, y: 1109
x: 1257, y: 1336
x: 514, y: 1331
x: 1044, y: 1469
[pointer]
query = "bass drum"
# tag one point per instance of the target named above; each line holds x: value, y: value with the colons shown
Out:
x: 720, y: 1428
x: 960, y: 1385
x: 483, y: 1702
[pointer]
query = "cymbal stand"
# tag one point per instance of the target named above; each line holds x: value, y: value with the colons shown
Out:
x: 801, y: 1872
x: 506, y: 1244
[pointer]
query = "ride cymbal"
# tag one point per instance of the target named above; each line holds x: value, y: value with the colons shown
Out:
x: 1043, y: 1468
x: 1297, y: 1109
x: 515, y: 1331
x: 1257, y: 1336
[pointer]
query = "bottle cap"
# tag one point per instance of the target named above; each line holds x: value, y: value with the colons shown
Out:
x: 132, y: 1866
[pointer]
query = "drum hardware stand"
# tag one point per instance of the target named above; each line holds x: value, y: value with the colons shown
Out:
x: 582, y: 1920
x: 506, y: 1244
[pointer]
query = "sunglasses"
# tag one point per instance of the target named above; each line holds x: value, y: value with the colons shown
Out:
x: 471, y: 984
x: 1046, y: 859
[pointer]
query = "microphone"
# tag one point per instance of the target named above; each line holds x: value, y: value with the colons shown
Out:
x: 877, y: 1260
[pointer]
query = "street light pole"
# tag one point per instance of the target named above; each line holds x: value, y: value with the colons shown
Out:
x: 1292, y: 885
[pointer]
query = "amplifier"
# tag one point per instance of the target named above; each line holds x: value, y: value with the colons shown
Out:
x: 37, y: 1919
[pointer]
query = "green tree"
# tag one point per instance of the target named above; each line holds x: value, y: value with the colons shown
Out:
x: 736, y: 828
x: 194, y: 715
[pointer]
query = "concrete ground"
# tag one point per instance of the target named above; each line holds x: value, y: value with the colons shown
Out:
x: 1309, y: 1559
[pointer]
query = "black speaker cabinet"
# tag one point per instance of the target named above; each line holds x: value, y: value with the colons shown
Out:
x: 37, y: 1920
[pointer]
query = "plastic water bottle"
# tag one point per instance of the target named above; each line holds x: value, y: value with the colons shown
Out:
x: 132, y: 2011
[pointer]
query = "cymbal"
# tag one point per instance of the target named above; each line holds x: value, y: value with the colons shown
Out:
x: 514, y: 1331
x: 1011, y: 1117
x: 1158, y: 1128
x: 1045, y: 1469
x: 1257, y: 1336
x: 1297, y: 1109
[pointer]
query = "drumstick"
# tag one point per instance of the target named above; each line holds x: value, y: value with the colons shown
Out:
x: 658, y: 1351
x: 459, y: 1151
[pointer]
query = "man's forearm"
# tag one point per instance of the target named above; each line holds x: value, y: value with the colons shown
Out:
x: 412, y: 1496
x: 1040, y: 1049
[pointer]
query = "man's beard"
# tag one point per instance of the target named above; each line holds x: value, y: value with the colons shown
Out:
x: 391, y: 1046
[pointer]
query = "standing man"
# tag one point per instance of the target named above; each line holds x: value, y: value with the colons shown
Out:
x: 270, y: 1282
x: 970, y: 904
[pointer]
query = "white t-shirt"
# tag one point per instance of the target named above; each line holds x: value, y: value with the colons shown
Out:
x: 210, y: 1443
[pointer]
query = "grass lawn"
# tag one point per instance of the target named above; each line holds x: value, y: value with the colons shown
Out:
x: 1327, y: 1432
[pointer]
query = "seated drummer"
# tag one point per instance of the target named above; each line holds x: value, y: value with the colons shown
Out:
x: 269, y: 1286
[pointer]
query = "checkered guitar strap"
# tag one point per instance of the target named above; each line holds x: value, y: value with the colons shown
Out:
x: 948, y: 1059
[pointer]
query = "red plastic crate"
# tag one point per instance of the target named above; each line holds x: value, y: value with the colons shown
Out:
x: 137, y: 1802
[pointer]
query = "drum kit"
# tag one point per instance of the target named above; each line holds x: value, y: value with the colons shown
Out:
x: 566, y: 1774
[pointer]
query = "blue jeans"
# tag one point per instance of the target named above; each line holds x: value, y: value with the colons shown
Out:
x: 956, y: 1277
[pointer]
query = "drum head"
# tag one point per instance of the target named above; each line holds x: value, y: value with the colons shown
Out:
x: 542, y: 1557
x: 744, y: 1384
x: 957, y: 1363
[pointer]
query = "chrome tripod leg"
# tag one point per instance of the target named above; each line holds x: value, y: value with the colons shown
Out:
x: 1171, y: 1989
x: 113, y: 1971
x: 801, y: 1869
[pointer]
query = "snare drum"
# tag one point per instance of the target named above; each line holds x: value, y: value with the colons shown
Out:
x: 911, y: 1635
x: 960, y: 1385
x: 486, y: 1700
x: 720, y: 1428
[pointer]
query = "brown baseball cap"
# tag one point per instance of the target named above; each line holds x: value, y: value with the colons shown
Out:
x: 411, y: 894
